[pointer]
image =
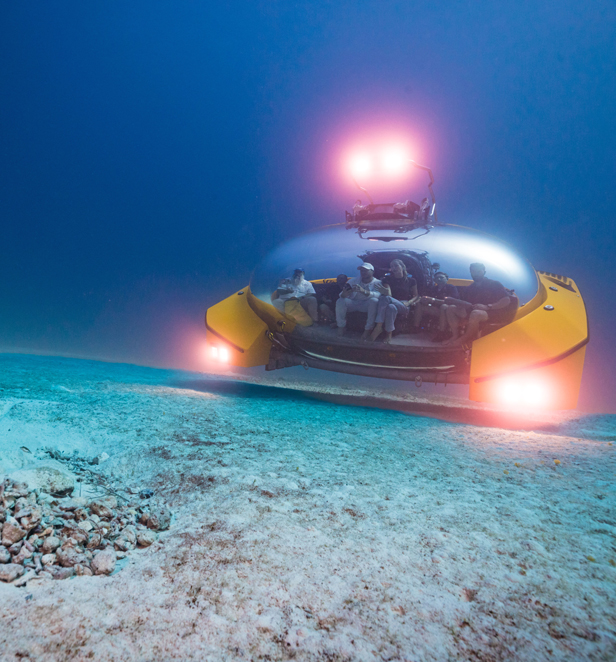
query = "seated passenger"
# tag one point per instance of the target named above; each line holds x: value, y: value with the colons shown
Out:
x: 359, y: 294
x: 399, y: 294
x: 482, y: 301
x: 431, y: 304
x: 331, y: 294
x: 293, y: 291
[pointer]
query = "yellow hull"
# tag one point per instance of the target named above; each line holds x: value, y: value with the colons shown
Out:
x: 535, y: 360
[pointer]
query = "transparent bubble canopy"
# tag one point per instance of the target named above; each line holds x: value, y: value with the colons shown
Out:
x: 332, y: 250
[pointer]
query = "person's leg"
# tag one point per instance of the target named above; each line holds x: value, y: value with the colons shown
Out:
x: 380, y: 309
x: 382, y: 303
x: 326, y: 312
x: 420, y: 308
x: 454, y: 314
x: 309, y: 304
x: 442, y: 317
x: 472, y: 328
x: 369, y: 306
x: 341, y: 313
x: 393, y: 309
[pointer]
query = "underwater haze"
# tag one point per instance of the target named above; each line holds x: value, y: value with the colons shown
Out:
x: 152, y: 153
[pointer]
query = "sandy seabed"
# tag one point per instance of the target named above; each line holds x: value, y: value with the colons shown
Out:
x: 305, y: 529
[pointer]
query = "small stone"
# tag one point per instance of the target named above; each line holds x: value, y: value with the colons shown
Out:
x: 73, y: 504
x: 24, y: 553
x: 5, y: 555
x: 127, y: 539
x: 20, y: 489
x: 10, y: 571
x: 68, y: 556
x: 104, y: 562
x: 74, y: 532
x: 24, y: 579
x: 14, y: 549
x: 99, y: 459
x: 32, y: 520
x: 51, y: 544
x: 12, y: 532
x: 146, y: 538
x: 87, y: 572
x: 60, y: 573
x: 86, y: 526
x: 48, y: 559
x: 94, y: 541
x: 81, y: 515
x: 101, y: 509
x: 159, y: 519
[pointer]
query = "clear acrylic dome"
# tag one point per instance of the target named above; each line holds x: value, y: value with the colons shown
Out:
x: 333, y: 250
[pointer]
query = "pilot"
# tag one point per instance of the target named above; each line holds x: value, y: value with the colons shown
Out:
x: 431, y: 305
x: 399, y: 293
x: 296, y: 289
x: 482, y: 301
x: 331, y: 294
x: 359, y: 294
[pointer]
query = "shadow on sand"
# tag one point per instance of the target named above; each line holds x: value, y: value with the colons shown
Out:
x: 572, y: 424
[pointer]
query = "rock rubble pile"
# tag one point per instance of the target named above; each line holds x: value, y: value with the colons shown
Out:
x: 46, y: 536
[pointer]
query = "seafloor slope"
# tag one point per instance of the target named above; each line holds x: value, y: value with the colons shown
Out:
x: 316, y: 531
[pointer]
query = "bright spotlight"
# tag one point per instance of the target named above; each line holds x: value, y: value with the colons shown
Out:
x: 220, y: 354
x: 394, y: 161
x: 535, y: 394
x: 523, y: 392
x: 510, y: 393
x: 361, y: 165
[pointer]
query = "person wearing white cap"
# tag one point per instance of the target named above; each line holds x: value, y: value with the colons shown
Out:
x: 359, y: 294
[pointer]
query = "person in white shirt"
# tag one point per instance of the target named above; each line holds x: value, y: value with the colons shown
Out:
x: 359, y: 294
x: 297, y: 287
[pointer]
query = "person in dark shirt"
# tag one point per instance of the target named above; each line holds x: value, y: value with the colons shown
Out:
x: 482, y: 301
x: 330, y: 296
x: 398, y: 294
x: 430, y: 305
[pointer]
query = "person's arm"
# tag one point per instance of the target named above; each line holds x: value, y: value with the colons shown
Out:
x: 347, y: 290
x: 310, y: 291
x: 500, y: 304
x: 450, y: 301
x: 414, y: 295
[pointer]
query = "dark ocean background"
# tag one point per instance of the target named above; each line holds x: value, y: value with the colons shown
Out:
x: 151, y: 152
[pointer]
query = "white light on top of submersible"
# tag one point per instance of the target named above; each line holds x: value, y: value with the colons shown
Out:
x: 394, y: 161
x: 361, y: 165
